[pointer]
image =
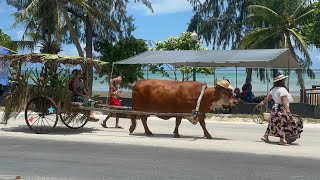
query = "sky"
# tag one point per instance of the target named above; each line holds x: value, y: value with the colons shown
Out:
x: 170, y: 18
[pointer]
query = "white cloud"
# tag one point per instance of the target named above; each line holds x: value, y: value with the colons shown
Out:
x: 161, y: 7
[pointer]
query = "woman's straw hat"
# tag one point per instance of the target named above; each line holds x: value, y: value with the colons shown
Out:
x: 279, y: 78
x: 225, y: 84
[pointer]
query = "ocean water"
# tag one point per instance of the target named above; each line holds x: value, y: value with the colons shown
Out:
x: 236, y: 80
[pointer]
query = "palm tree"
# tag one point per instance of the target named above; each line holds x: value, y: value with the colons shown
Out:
x: 220, y: 22
x: 278, y: 24
x: 312, y: 30
x: 83, y: 19
x: 46, y: 18
x: 7, y: 42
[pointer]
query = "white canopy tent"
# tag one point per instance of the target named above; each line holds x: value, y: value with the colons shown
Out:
x: 256, y: 58
x: 253, y: 58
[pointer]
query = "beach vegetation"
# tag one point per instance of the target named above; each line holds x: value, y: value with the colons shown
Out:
x: 312, y: 30
x: 123, y: 49
x: 264, y: 24
x: 7, y: 42
x: 183, y: 42
x: 75, y: 21
x: 278, y: 24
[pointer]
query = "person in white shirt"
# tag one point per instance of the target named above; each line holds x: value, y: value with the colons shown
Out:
x: 279, y: 125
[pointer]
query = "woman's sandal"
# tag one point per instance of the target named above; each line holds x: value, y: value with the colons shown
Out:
x: 104, y: 125
x: 284, y: 144
x: 265, y: 140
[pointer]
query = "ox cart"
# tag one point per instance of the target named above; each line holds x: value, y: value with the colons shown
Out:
x: 45, y: 97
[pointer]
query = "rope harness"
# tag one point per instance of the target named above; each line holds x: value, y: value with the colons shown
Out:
x: 195, y: 112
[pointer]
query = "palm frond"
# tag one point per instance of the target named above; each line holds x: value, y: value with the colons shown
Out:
x: 304, y: 17
x: 265, y: 13
x: 257, y: 37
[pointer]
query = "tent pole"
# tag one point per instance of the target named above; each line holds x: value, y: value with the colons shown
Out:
x: 267, y: 69
x: 194, y: 73
x: 183, y: 73
x: 148, y: 71
x: 214, y: 76
x: 236, y: 76
x: 288, y: 85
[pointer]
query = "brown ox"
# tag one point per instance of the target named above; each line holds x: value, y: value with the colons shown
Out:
x: 164, y: 96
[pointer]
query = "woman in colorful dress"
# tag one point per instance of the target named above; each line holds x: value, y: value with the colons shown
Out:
x: 80, y: 94
x: 280, y: 124
x: 113, y: 100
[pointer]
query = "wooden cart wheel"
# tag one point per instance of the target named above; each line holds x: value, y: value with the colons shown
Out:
x: 257, y: 114
x: 41, y: 114
x: 75, y: 121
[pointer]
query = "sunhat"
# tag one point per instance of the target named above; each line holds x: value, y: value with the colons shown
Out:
x: 279, y: 78
x: 225, y: 84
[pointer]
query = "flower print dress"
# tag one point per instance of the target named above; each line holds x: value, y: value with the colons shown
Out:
x: 281, y: 125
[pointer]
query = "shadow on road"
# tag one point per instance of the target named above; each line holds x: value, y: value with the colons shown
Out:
x: 55, y: 131
x: 277, y: 143
x: 171, y: 136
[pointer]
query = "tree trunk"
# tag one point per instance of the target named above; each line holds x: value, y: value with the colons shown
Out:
x: 249, y: 73
x: 301, y: 83
x: 299, y: 73
x: 89, y: 49
x: 275, y: 73
x: 71, y: 29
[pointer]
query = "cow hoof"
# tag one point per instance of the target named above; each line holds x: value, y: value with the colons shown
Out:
x: 131, y: 129
x: 149, y: 133
x: 176, y: 136
x: 208, y: 136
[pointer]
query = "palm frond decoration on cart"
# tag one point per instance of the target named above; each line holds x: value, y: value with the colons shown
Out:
x: 44, y: 93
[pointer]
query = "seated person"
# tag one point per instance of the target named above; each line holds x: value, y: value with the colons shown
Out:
x: 247, y: 86
x: 247, y: 90
x: 237, y: 93
x: 80, y: 93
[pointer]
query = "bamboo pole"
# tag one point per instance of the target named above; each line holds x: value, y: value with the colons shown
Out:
x: 126, y: 111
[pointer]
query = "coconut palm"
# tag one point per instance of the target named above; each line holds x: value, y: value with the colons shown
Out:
x: 50, y: 17
x: 312, y: 30
x: 220, y: 22
x: 279, y: 24
x: 83, y: 19
x: 56, y: 16
x: 7, y: 42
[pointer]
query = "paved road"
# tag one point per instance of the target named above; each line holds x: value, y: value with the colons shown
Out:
x: 34, y: 158
x: 96, y: 153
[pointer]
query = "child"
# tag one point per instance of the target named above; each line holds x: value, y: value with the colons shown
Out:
x: 114, y: 100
